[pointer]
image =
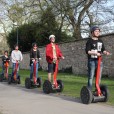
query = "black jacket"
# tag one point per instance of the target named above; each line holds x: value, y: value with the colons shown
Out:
x: 4, y: 59
x: 34, y: 54
x: 94, y: 45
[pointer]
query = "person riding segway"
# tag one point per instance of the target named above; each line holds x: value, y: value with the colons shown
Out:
x: 34, y: 80
x: 16, y: 57
x: 5, y: 66
x: 53, y: 54
x: 94, y: 49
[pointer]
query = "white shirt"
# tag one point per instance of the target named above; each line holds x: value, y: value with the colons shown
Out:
x: 16, y: 56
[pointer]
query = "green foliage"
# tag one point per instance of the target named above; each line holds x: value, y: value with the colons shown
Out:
x: 37, y: 32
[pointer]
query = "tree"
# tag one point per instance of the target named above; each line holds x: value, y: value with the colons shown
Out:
x: 71, y: 15
x: 37, y: 32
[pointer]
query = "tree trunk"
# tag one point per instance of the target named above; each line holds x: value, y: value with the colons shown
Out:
x: 77, y: 32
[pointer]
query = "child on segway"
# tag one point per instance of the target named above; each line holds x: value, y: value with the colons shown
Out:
x: 5, y: 66
x: 16, y: 57
x: 34, y: 80
x: 53, y: 54
x: 94, y: 50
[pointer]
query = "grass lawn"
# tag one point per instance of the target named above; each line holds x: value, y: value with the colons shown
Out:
x: 73, y: 83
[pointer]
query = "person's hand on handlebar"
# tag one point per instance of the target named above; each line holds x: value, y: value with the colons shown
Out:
x: 39, y: 58
x: 63, y: 57
x: 106, y: 53
x: 33, y: 60
x: 98, y: 54
x: 17, y: 61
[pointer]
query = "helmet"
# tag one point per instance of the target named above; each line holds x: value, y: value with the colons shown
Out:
x: 51, y: 36
x: 94, y: 28
x: 34, y: 44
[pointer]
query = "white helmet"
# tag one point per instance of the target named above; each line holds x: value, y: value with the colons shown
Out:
x: 51, y: 36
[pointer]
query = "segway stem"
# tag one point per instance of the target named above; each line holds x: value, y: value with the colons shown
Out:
x: 98, y: 76
x: 55, y: 74
x: 34, y: 72
x: 6, y: 69
x: 15, y: 71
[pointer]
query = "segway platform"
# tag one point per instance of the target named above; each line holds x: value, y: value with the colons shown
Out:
x: 51, y: 88
x: 88, y: 96
x: 11, y: 79
x: 31, y: 84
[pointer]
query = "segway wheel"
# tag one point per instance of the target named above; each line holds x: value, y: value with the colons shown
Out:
x: 60, y: 86
x: 39, y: 81
x: 105, y: 92
x: 9, y: 79
x: 86, y: 95
x: 1, y: 77
x: 28, y: 83
x: 47, y: 87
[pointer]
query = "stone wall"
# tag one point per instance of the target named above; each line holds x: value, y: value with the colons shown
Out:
x: 75, y: 57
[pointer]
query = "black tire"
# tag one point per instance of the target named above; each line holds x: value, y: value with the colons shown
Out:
x: 28, y: 83
x: 9, y: 79
x: 86, y: 95
x: 1, y: 77
x: 105, y: 92
x: 47, y: 87
x: 39, y: 81
x: 60, y: 86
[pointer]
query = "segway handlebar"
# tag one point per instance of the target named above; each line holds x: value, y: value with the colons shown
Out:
x: 35, y: 59
x: 105, y: 54
x: 6, y: 60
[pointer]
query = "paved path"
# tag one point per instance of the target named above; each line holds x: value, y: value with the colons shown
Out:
x: 15, y: 99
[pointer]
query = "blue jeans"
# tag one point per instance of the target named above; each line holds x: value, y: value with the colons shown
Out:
x: 32, y: 70
x: 3, y: 68
x: 13, y: 69
x: 92, y: 65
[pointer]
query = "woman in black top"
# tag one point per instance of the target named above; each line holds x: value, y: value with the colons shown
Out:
x: 5, y: 58
x: 34, y: 56
x: 94, y: 48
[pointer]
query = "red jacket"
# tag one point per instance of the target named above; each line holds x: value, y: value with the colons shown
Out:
x: 49, y: 52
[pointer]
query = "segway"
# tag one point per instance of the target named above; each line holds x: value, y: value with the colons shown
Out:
x: 35, y: 82
x: 4, y: 76
x: 101, y: 92
x: 57, y: 85
x: 13, y: 78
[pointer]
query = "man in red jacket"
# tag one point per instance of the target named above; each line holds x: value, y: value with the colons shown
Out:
x: 53, y: 53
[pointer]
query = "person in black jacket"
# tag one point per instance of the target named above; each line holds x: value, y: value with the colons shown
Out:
x: 5, y: 58
x: 94, y: 48
x: 34, y: 55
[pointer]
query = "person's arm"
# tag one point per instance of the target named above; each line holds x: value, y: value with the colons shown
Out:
x: 38, y: 54
x: 12, y: 56
x: 21, y: 56
x: 88, y: 48
x: 31, y: 54
x: 49, y: 52
x: 104, y: 50
x: 60, y: 53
